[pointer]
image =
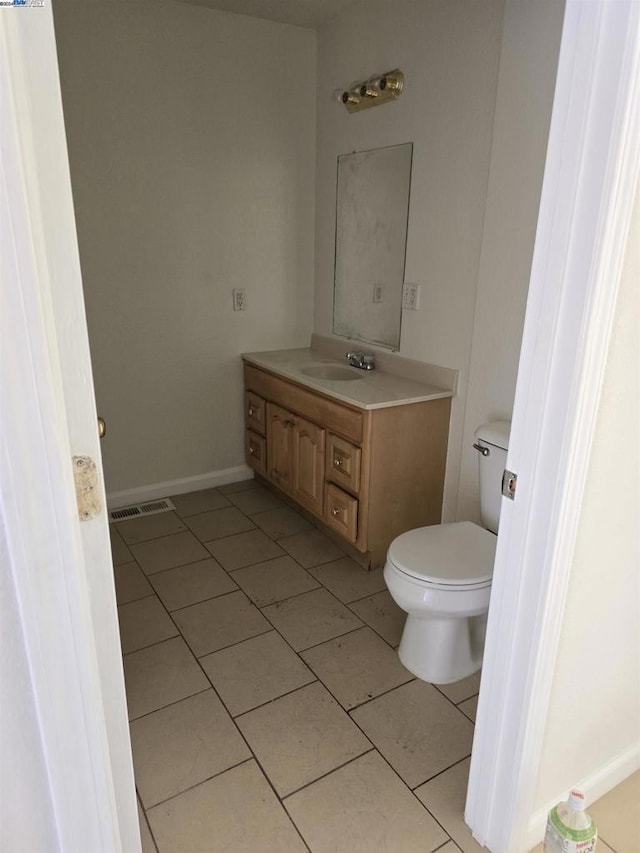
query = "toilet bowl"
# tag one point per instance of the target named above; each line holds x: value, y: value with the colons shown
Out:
x: 441, y: 577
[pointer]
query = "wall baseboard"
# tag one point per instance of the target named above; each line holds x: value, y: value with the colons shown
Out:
x: 153, y: 491
x: 595, y: 785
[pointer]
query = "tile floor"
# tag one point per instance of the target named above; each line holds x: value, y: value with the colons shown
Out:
x: 268, y: 709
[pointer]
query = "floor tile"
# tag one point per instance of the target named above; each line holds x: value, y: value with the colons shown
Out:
x: 219, y: 523
x: 418, y: 731
x: 159, y: 675
x: 192, y: 583
x: 311, y: 548
x: 382, y: 614
x: 469, y: 707
x: 119, y: 551
x: 239, y: 486
x: 255, y: 671
x: 277, y: 523
x: 179, y: 746
x: 311, y: 618
x: 220, y: 622
x: 143, y: 623
x: 347, y: 580
x: 149, y: 527
x: 617, y: 815
x: 131, y: 583
x: 148, y: 844
x: 445, y: 797
x: 357, y: 667
x: 236, y: 812
x: 363, y: 808
x: 274, y: 580
x: 244, y: 549
x: 255, y: 500
x: 315, y: 736
x: 194, y: 502
x: 169, y: 552
x: 457, y: 691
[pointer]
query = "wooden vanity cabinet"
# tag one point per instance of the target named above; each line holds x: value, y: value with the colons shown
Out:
x: 366, y: 474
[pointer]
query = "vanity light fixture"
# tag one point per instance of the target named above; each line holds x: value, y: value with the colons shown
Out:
x: 376, y: 90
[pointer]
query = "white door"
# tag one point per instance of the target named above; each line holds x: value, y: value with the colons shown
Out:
x: 591, y: 175
x: 56, y: 568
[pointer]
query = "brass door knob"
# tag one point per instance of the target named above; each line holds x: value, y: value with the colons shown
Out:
x: 102, y: 427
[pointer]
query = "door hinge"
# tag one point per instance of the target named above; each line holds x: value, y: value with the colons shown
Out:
x: 509, y: 483
x: 85, y: 476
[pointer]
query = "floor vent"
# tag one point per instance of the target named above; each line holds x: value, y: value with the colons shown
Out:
x: 151, y: 508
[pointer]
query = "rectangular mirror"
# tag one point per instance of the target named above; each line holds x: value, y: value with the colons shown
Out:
x: 372, y: 210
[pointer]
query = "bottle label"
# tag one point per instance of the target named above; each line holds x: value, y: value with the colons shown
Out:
x: 560, y: 838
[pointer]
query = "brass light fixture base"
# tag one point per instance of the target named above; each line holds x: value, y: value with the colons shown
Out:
x: 377, y: 90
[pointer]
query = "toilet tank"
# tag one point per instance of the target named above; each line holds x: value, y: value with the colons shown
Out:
x: 494, y: 438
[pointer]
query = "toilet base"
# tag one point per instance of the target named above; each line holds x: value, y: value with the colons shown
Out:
x: 442, y: 650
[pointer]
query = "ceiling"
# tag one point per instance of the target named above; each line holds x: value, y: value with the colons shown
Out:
x: 302, y: 13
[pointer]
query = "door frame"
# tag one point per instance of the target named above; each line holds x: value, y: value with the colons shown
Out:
x: 590, y: 180
x: 60, y: 567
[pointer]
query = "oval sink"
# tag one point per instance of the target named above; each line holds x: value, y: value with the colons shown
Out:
x: 332, y: 372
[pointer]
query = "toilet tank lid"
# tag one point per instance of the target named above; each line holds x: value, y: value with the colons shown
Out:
x: 496, y: 433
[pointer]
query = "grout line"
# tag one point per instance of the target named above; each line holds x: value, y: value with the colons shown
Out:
x: 183, y: 529
x: 201, y: 782
x: 368, y: 701
x: 168, y: 705
x: 275, y: 698
x: 328, y: 773
x: 203, y: 600
x: 120, y: 604
x: 328, y: 640
x: 439, y: 773
x: 230, y: 646
x: 145, y: 817
x: 150, y: 645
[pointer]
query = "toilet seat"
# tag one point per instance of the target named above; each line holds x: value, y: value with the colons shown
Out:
x: 454, y: 556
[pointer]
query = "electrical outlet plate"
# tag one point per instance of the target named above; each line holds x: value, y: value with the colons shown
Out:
x: 378, y: 293
x: 411, y: 297
x: 239, y: 299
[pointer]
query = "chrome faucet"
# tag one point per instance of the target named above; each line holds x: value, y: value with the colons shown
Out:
x: 363, y: 360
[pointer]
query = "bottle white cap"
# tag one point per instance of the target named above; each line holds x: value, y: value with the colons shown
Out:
x: 576, y: 800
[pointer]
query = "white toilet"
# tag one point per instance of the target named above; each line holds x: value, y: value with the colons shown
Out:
x: 441, y: 576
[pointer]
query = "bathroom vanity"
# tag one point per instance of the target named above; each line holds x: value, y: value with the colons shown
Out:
x: 362, y: 451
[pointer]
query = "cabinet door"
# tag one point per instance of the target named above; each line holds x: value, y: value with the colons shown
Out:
x: 308, y: 465
x: 255, y: 451
x: 279, y: 446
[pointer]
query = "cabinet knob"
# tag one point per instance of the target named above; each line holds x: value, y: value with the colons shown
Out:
x: 337, y: 463
x: 335, y: 512
x: 252, y: 411
x: 252, y: 450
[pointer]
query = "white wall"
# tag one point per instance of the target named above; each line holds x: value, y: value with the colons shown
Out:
x: 593, y: 724
x: 449, y: 51
x: 526, y: 83
x: 191, y: 139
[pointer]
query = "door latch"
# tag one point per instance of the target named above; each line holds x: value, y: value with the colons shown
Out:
x: 509, y: 483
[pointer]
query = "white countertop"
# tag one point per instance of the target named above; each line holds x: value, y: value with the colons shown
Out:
x: 370, y: 389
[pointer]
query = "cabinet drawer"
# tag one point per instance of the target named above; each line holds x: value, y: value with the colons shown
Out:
x: 254, y: 412
x: 341, y: 512
x: 343, y: 463
x: 256, y: 452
